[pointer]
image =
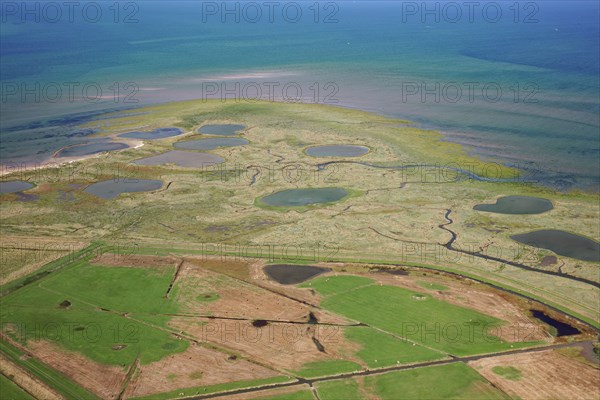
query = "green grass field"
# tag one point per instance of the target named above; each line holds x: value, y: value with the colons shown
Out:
x: 451, y: 381
x: 411, y: 315
x: 10, y: 391
x: 346, y: 389
x: 380, y: 349
x: 97, y: 318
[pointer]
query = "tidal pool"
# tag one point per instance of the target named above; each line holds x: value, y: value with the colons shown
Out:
x: 517, y: 205
x: 562, y: 243
x: 221, y: 130
x: 211, y: 144
x: 342, y: 150
x: 304, y: 197
x: 112, y: 188
x: 14, y: 186
x: 293, y: 274
x: 182, y: 158
x: 159, y: 133
x: 90, y: 148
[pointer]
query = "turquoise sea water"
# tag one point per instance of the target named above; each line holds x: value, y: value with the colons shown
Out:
x: 537, y: 61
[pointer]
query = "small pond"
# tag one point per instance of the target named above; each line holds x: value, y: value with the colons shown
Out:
x: 186, y: 159
x: 221, y: 130
x: 517, y: 205
x: 342, y: 150
x: 293, y: 274
x: 562, y: 329
x: 159, y: 133
x: 14, y: 186
x: 304, y: 197
x: 210, y: 144
x: 112, y: 188
x: 562, y: 243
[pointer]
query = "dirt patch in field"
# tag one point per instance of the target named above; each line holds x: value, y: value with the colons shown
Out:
x: 103, y: 380
x: 239, y: 299
x: 488, y: 301
x: 543, y: 375
x: 135, y: 261
x: 196, y: 367
x: 282, y: 346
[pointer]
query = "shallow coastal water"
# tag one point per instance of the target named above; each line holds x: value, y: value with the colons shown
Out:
x: 210, y: 144
x: 293, y: 274
x: 342, y: 150
x: 14, y: 186
x: 221, y: 130
x: 159, y: 133
x: 545, y: 118
x: 304, y: 197
x: 517, y: 205
x: 112, y: 188
x: 90, y: 148
x: 562, y: 243
x: 182, y: 158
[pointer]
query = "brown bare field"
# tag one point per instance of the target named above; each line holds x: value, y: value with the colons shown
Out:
x: 231, y: 266
x: 33, y: 386
x: 281, y: 346
x: 197, y: 366
x: 239, y: 299
x: 103, y: 380
x: 545, y: 375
